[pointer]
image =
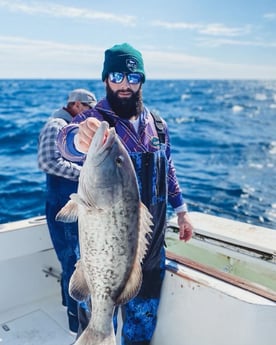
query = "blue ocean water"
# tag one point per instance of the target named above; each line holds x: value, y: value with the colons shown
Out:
x: 223, y: 136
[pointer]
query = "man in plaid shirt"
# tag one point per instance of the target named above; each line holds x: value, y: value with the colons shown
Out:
x: 62, y: 180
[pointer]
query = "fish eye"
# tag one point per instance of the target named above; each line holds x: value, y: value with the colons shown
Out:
x: 119, y: 160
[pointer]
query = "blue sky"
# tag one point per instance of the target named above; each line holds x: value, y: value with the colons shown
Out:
x: 183, y: 39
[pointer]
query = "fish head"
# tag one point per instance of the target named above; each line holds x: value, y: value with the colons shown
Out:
x: 108, y: 173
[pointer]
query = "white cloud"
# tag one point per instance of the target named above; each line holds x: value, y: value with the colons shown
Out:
x: 27, y: 58
x: 55, y: 10
x: 217, y: 29
x: 235, y: 42
x: 181, y: 66
x: 175, y: 65
x: 213, y: 29
x: 177, y: 25
x: 21, y: 44
x: 270, y: 16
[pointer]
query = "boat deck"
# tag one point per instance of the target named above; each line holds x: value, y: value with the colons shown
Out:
x: 31, y: 312
x: 44, y: 321
x: 41, y: 322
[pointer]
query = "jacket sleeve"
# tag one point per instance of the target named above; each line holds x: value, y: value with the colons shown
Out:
x: 174, y: 191
x: 50, y: 159
x: 65, y: 140
x: 66, y: 146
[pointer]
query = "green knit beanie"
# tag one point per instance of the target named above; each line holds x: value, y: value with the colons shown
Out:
x: 123, y: 58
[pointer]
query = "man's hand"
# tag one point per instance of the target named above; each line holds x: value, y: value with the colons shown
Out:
x: 185, y: 226
x: 87, y: 130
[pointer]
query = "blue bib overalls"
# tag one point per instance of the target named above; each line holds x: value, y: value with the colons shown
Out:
x: 140, y: 314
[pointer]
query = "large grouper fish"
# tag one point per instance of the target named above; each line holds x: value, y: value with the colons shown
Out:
x: 114, y: 228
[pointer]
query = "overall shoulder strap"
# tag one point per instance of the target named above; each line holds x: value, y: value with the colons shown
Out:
x: 106, y: 118
x: 159, y: 127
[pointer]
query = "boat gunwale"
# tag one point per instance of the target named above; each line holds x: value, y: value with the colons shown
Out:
x: 223, y: 276
x: 248, y: 236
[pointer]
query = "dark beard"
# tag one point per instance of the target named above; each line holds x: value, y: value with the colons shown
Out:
x: 125, y: 108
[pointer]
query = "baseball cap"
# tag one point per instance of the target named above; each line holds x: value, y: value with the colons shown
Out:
x: 83, y: 96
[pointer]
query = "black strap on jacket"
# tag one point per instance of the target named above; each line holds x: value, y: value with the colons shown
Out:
x: 107, y: 118
x: 159, y: 127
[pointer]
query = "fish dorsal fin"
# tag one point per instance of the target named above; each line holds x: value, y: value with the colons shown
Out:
x: 78, y: 287
x: 68, y: 213
x: 134, y: 282
x: 144, y: 231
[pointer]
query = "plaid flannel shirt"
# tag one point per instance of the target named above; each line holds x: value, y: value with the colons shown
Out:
x: 49, y: 157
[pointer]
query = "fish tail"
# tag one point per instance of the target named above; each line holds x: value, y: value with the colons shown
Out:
x: 89, y: 337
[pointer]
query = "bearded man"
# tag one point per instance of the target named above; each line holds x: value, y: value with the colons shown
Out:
x: 146, y: 139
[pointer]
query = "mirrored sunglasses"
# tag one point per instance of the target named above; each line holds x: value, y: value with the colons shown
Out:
x: 118, y: 77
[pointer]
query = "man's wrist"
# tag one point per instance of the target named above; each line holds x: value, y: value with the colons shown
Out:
x: 181, y: 209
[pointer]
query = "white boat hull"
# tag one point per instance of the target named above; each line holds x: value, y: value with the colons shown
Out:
x: 197, y: 307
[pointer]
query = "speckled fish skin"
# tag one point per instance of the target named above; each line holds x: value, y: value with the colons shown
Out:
x: 113, y: 226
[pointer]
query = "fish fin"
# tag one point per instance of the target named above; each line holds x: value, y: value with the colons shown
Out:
x: 144, y: 232
x: 134, y: 282
x: 78, y: 200
x: 132, y: 286
x: 68, y: 213
x: 78, y: 288
x: 75, y: 197
x: 88, y: 204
